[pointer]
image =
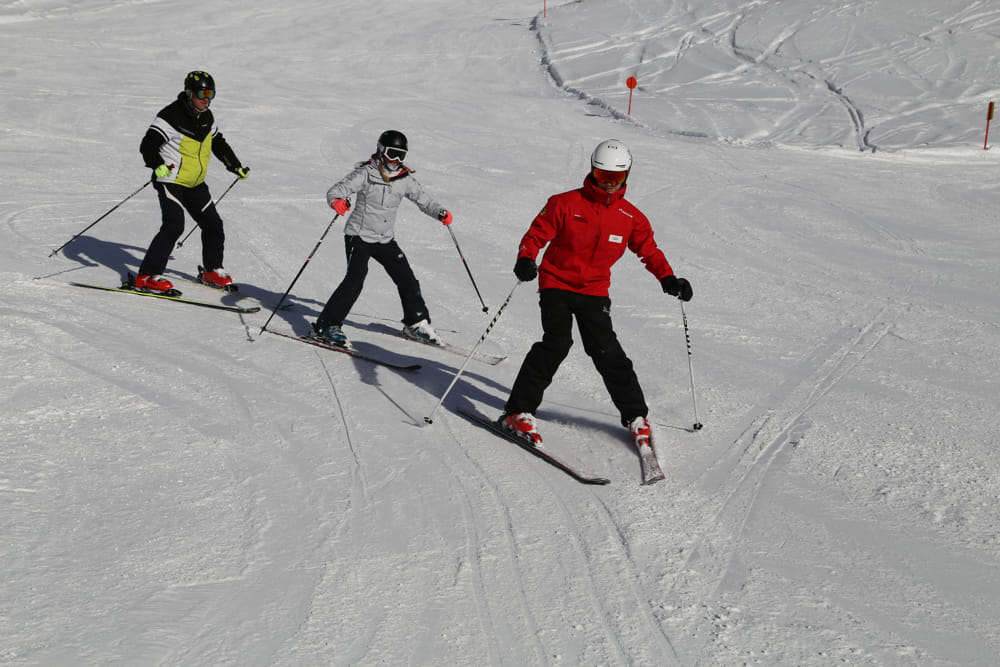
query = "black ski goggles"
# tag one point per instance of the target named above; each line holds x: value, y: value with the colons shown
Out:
x: 393, y: 153
x: 205, y: 94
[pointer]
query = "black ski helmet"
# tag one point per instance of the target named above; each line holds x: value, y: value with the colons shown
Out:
x: 392, y: 139
x: 196, y: 81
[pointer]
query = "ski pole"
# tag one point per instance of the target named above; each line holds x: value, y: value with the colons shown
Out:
x: 99, y: 219
x: 461, y: 370
x: 467, y: 270
x: 196, y: 225
x: 687, y: 337
x: 282, y: 300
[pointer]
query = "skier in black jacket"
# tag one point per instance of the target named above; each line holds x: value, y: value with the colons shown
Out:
x: 178, y: 147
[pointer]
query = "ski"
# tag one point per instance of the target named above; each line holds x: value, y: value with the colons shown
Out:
x: 348, y: 350
x: 540, y: 452
x: 491, y: 359
x: 232, y: 289
x: 650, y: 465
x: 172, y: 295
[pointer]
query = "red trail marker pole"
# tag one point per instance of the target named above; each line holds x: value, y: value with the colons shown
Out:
x: 631, y: 83
x: 989, y: 117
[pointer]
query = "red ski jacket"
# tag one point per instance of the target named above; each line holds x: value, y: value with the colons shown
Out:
x: 587, y: 230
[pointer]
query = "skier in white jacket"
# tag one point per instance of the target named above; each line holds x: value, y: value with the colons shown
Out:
x: 381, y: 183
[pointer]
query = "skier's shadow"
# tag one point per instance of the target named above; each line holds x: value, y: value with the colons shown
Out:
x: 268, y: 299
x: 432, y: 379
x: 89, y: 251
x: 464, y: 394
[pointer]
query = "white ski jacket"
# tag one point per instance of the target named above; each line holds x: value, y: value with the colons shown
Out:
x: 373, y: 214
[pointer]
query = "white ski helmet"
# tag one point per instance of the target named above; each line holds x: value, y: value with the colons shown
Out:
x: 611, y: 155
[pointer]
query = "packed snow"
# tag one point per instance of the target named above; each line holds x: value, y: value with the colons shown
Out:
x: 180, y: 488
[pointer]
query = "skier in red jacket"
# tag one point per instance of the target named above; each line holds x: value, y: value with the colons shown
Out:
x: 586, y: 230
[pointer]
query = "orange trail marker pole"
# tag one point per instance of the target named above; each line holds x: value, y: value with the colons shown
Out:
x: 632, y: 83
x: 989, y: 117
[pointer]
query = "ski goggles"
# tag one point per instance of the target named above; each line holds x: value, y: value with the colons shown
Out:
x: 605, y: 177
x: 393, y: 153
x: 205, y: 94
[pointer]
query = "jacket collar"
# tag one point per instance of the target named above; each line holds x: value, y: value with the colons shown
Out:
x: 185, y: 103
x: 378, y: 172
x: 593, y: 193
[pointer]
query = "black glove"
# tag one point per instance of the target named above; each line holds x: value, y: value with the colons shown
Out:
x: 678, y: 287
x: 525, y: 269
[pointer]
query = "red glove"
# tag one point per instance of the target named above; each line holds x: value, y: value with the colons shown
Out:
x: 341, y: 206
x: 445, y: 217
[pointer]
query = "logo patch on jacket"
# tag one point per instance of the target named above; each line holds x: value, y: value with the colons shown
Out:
x: 614, y: 238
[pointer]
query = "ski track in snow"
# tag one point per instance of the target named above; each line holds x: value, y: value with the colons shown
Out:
x: 595, y: 550
x: 856, y: 97
x: 772, y: 430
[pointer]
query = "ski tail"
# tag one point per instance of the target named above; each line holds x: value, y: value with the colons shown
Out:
x: 347, y: 350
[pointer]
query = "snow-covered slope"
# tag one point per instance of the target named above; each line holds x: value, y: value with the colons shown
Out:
x: 179, y: 488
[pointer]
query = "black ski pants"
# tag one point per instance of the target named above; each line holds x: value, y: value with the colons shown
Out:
x: 593, y: 319
x: 392, y: 259
x: 174, y: 200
